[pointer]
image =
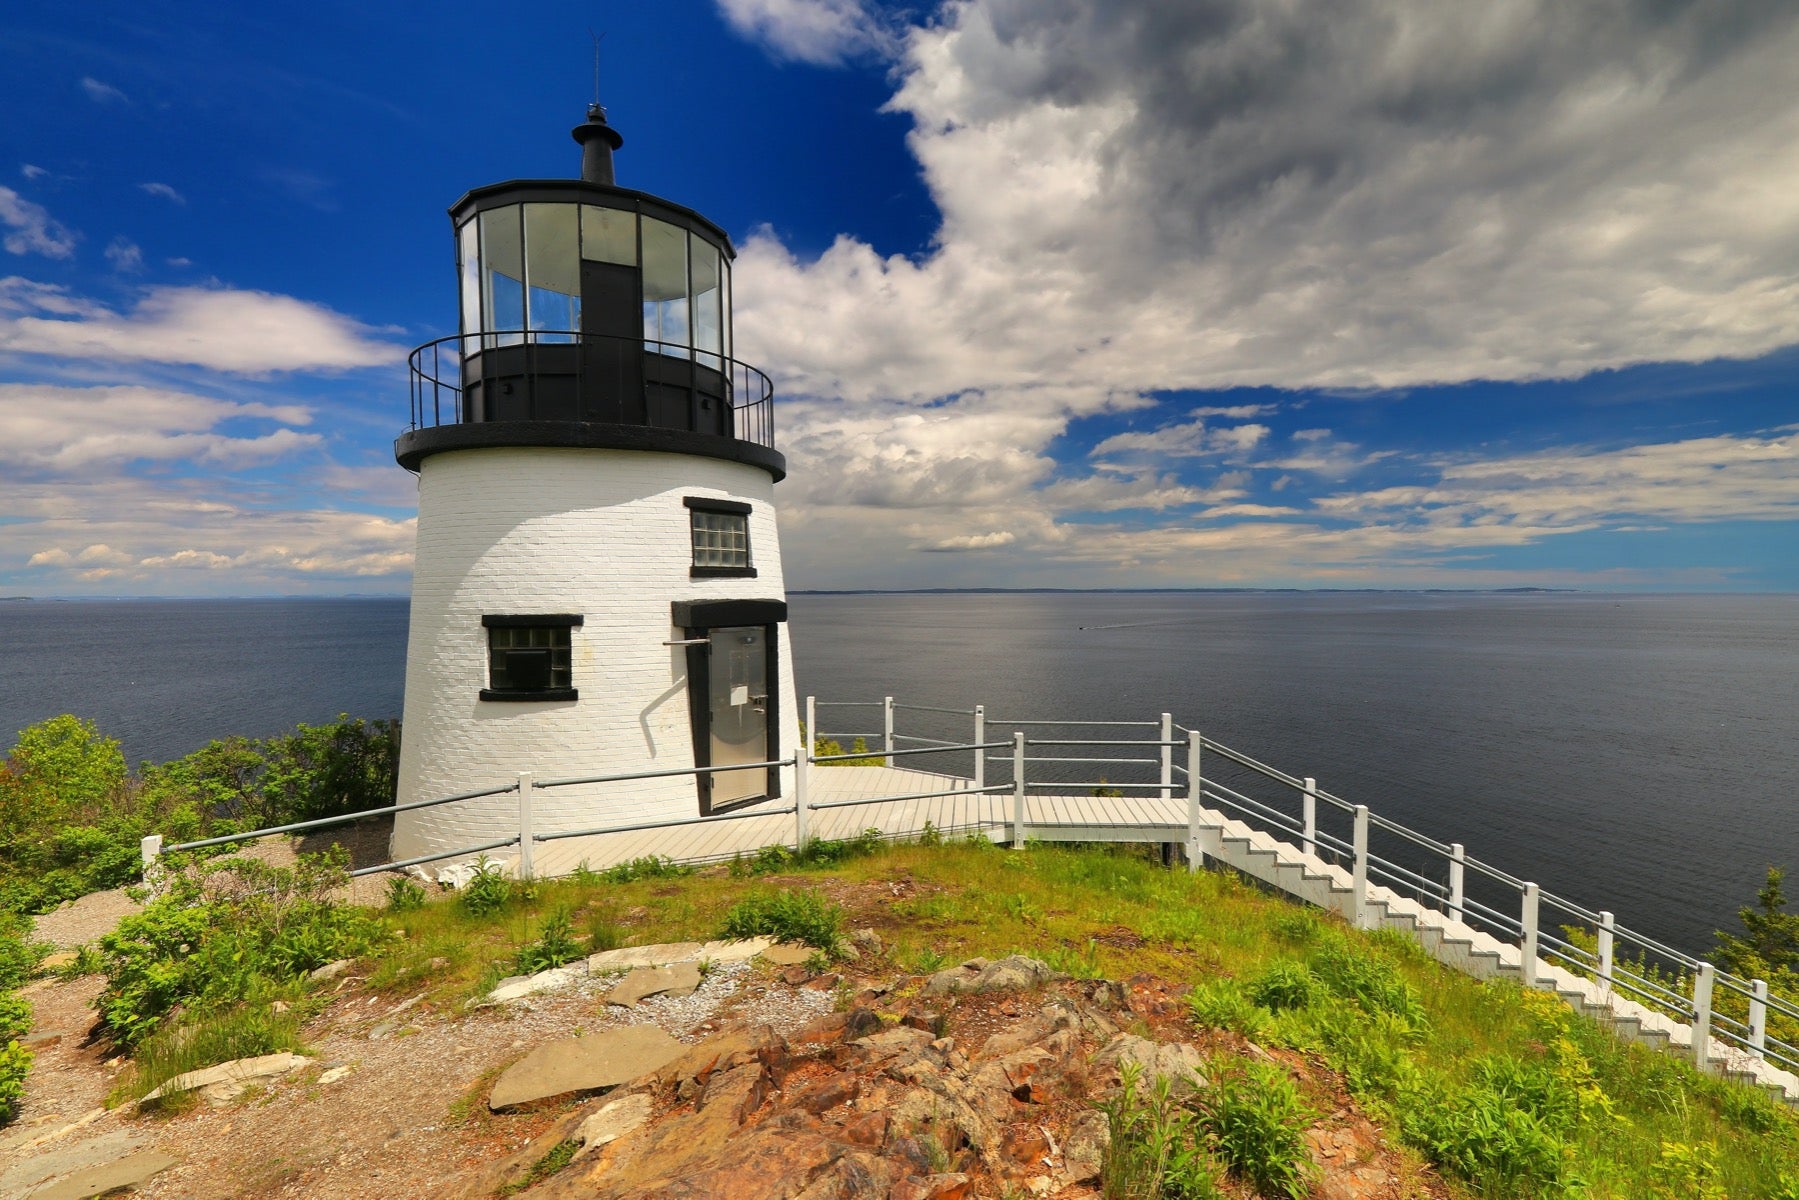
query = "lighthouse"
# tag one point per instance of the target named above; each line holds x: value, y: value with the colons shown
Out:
x: 597, y: 589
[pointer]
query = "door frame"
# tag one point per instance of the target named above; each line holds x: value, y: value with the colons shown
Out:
x: 696, y: 619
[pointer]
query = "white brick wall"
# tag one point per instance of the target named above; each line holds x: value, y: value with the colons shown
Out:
x: 602, y: 533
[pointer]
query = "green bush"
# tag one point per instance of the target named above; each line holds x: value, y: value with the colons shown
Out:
x: 224, y: 932
x: 555, y: 946
x: 1283, y: 986
x: 1222, y: 1004
x: 1486, y: 1138
x: 486, y: 892
x: 404, y: 894
x: 1371, y: 982
x: 653, y: 866
x: 790, y: 916
x: 19, y: 956
x: 1255, y: 1120
x: 1156, y: 1149
x: 15, y: 1017
x: 15, y: 1063
x: 211, y: 1036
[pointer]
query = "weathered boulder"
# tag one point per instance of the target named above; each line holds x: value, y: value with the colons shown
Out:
x: 627, y: 957
x: 520, y: 986
x: 1179, y: 1063
x: 1084, y: 1149
x: 584, y: 1064
x: 613, y: 1120
x: 788, y: 954
x: 107, y: 1177
x: 1014, y: 973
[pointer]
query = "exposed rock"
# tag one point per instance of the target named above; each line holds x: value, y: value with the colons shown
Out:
x: 931, y: 1187
x: 335, y: 1074
x: 99, y: 1180
x: 330, y: 970
x: 678, y: 980
x: 1084, y: 1150
x: 58, y: 960
x: 627, y: 957
x: 519, y: 986
x: 1180, y: 1063
x: 788, y: 954
x: 1014, y: 973
x: 867, y: 941
x: 584, y: 1064
x: 34, y: 1163
x: 612, y: 1121
x: 227, y: 1081
x: 739, y: 950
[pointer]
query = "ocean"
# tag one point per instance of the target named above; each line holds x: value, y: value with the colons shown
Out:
x: 1636, y: 753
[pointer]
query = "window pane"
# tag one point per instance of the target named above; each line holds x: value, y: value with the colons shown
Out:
x: 503, y: 273
x: 664, y: 284
x: 707, y: 337
x: 553, y: 268
x: 468, y: 252
x: 724, y: 291
x: 608, y: 235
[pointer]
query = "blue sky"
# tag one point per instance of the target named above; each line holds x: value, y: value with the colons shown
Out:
x: 1399, y: 293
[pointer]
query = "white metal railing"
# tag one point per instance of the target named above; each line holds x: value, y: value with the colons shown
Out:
x: 1435, y: 874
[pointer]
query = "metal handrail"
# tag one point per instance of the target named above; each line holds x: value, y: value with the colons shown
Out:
x: 342, y: 819
x: 439, y: 373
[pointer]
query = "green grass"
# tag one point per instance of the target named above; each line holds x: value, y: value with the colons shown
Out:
x: 202, y: 1039
x: 1507, y: 1091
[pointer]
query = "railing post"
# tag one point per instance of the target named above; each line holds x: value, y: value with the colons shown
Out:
x: 1758, y: 1018
x: 151, y: 849
x: 1458, y: 875
x: 1702, y: 1016
x: 525, y: 846
x: 1167, y: 756
x: 1608, y: 927
x: 1527, y: 936
x: 1358, y: 878
x: 802, y: 778
x: 1196, y: 857
x: 980, y: 738
x: 1018, y: 791
x: 887, y: 731
x: 1309, y: 816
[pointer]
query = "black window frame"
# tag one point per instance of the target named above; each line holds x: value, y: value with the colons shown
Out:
x: 566, y: 623
x: 720, y: 508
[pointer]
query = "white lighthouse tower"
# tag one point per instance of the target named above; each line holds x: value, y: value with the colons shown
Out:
x: 598, y: 584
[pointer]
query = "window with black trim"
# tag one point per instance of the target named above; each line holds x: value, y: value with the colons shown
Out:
x: 721, y: 538
x: 530, y: 657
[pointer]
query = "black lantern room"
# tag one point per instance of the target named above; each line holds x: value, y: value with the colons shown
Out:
x: 592, y: 315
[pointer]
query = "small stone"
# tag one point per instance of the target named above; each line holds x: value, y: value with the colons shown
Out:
x: 794, y: 976
x: 825, y: 982
x: 330, y: 970
x: 437, y: 963
x: 1084, y: 1151
x: 335, y: 1074
x: 866, y: 940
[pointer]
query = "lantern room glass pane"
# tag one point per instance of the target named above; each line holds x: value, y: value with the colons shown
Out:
x: 665, y: 286
x: 553, y: 270
x: 468, y: 254
x: 608, y: 235
x: 724, y: 291
x: 708, y: 337
x: 503, y: 274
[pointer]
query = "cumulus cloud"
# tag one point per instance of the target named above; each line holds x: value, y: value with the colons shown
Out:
x: 31, y: 230
x: 48, y: 430
x: 1190, y: 439
x: 1367, y: 194
x: 972, y: 541
x: 821, y: 32
x: 165, y: 191
x: 223, y: 329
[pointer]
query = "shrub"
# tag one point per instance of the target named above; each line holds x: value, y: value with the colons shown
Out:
x: 1254, y: 1117
x: 654, y: 866
x: 555, y: 946
x: 207, y: 1037
x: 1221, y: 1004
x: 19, y: 956
x: 1155, y: 1149
x: 1283, y: 986
x: 15, y: 1063
x: 487, y: 891
x: 225, y: 932
x: 791, y: 916
x: 404, y: 894
x: 1484, y: 1137
x: 15, y: 1017
x: 1369, y: 981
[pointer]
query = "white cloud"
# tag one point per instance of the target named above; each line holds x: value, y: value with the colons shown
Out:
x: 32, y: 171
x: 223, y: 329
x: 54, y: 430
x: 820, y: 32
x: 1376, y: 193
x: 164, y: 190
x: 103, y: 93
x: 973, y: 541
x: 31, y: 230
x: 1191, y: 439
x: 125, y: 255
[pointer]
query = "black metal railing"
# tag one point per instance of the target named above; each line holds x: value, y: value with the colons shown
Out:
x: 561, y: 375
